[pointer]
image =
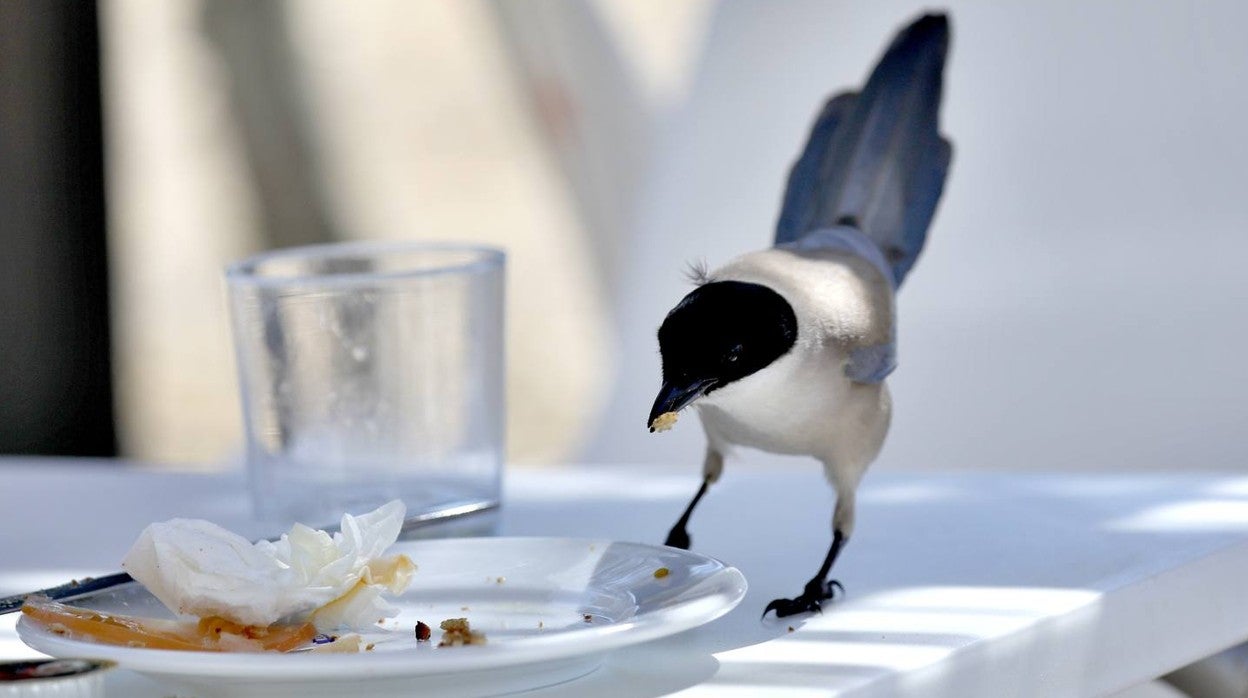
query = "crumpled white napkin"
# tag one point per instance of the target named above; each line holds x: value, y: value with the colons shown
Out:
x: 198, y: 568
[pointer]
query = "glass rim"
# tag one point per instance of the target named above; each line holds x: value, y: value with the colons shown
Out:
x: 243, y: 271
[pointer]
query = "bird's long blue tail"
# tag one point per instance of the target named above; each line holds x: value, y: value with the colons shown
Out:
x: 875, y: 159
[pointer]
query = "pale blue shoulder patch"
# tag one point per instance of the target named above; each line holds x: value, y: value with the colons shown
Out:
x: 844, y: 238
x: 872, y: 364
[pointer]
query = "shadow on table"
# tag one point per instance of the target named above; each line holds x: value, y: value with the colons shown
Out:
x: 634, y: 669
x: 946, y: 574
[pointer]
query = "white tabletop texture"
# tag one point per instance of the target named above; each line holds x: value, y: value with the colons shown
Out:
x: 959, y: 585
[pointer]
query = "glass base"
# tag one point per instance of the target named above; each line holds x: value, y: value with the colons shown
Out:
x: 444, y: 507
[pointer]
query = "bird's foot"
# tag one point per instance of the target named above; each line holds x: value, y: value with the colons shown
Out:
x: 678, y: 537
x: 810, y: 600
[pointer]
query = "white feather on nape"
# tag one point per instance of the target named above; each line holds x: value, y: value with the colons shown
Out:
x: 698, y: 273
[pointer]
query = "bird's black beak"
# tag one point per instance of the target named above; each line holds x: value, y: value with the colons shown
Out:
x: 674, y: 398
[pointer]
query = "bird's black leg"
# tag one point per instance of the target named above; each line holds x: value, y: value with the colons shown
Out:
x: 817, y: 590
x: 678, y: 537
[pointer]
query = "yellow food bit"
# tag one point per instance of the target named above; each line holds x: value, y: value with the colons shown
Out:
x: 663, y: 422
x: 347, y: 644
x: 661, y: 573
x: 457, y: 632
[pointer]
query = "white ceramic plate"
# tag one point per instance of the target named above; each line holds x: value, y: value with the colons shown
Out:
x: 530, y: 596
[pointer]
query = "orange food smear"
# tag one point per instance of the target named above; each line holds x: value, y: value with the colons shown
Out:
x: 208, y: 635
x: 275, y: 638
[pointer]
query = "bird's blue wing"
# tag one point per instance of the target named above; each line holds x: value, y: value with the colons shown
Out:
x: 803, y: 196
x: 875, y: 160
x: 928, y: 185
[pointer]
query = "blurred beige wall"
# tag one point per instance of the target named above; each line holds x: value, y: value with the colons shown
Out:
x: 179, y: 207
x: 422, y: 131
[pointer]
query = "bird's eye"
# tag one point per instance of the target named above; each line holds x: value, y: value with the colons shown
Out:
x: 734, y: 354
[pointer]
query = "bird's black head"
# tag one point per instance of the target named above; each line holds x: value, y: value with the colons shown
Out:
x: 721, y: 332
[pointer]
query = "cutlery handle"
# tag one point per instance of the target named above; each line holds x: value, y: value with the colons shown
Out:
x: 68, y: 590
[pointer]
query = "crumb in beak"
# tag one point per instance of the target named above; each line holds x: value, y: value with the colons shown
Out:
x: 663, y: 422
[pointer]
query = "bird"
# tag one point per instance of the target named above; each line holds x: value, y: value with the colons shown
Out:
x: 787, y: 349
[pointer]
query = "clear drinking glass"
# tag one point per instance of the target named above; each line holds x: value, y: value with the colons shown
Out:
x: 370, y: 371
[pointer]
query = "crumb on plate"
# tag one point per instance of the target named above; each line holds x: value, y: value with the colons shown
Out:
x: 457, y: 632
x: 661, y: 573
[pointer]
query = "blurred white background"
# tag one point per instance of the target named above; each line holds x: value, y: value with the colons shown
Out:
x: 420, y: 125
x: 1079, y: 304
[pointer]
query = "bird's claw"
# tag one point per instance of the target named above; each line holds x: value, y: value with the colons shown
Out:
x: 809, y: 601
x: 678, y: 538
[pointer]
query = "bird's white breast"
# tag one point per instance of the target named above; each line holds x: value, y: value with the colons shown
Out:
x: 786, y: 408
x: 803, y: 403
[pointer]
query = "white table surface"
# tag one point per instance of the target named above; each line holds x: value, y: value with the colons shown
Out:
x: 960, y: 585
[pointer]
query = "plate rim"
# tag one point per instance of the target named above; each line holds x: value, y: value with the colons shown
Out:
x: 718, y: 593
